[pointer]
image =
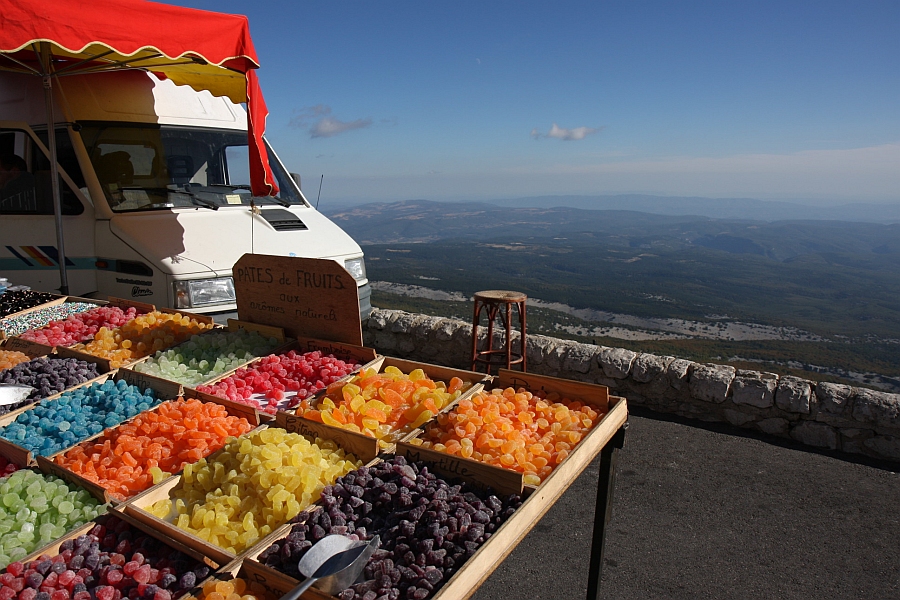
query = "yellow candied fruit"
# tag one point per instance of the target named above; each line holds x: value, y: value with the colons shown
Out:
x: 256, y: 483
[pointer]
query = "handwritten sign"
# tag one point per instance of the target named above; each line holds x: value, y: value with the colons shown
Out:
x: 479, y: 474
x: 361, y: 446
x: 307, y: 297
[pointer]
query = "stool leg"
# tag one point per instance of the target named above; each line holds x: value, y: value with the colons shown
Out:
x: 475, y: 319
x: 521, y: 309
x: 492, y: 314
x: 508, y: 335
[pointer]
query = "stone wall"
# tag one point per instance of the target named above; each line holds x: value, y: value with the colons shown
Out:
x: 824, y: 415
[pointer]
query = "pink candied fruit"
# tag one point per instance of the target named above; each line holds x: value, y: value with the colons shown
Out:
x: 28, y: 594
x: 142, y: 575
x: 7, y: 593
x: 62, y: 594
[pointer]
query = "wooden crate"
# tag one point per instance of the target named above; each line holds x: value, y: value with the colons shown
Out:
x: 52, y: 549
x: 32, y: 349
x: 367, y: 448
x: 15, y: 453
x: 478, y: 567
x: 346, y: 352
x: 50, y: 463
x: 136, y: 510
x: 233, y: 325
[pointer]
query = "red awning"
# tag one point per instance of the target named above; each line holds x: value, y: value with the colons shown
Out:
x: 202, y: 49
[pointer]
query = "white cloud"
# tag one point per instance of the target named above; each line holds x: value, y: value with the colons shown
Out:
x: 562, y: 133
x: 320, y: 123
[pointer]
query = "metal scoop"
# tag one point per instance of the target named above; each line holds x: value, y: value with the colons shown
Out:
x: 333, y: 564
x: 11, y: 393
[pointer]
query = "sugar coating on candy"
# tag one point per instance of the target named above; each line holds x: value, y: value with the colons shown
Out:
x: 204, y: 357
x: 142, y: 336
x: 48, y: 376
x: 61, y: 422
x: 36, y: 509
x: 81, y: 326
x: 281, y: 381
x: 516, y: 429
x: 10, y: 358
x: 13, y: 301
x: 233, y: 589
x: 112, y: 561
x: 253, y: 485
x: 384, y: 405
x: 135, y: 455
x: 427, y: 527
x: 39, y: 317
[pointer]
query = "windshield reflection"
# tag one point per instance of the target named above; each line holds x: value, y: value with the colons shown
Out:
x: 146, y: 167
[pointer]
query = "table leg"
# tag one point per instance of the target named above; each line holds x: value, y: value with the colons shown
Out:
x: 606, y: 484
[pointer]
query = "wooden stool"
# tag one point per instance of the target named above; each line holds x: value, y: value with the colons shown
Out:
x: 493, y: 301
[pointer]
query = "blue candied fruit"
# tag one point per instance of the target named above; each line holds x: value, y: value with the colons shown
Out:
x: 58, y: 424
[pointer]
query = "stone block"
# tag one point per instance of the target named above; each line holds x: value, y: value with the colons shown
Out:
x: 405, y: 322
x: 815, y: 434
x: 774, y: 426
x: 677, y: 372
x: 537, y: 348
x: 648, y: 367
x: 794, y: 395
x: 377, y: 319
x: 385, y: 341
x: 579, y: 358
x: 885, y: 446
x: 711, y: 383
x: 736, y: 417
x: 833, y: 398
x: 616, y: 362
x: 879, y: 408
x: 754, y: 389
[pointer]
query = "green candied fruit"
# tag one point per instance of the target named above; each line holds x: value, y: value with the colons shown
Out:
x: 65, y: 507
x: 10, y: 500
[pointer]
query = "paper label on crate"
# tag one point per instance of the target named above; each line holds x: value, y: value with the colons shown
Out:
x: 307, y: 297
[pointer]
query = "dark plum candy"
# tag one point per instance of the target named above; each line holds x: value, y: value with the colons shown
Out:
x: 428, y: 528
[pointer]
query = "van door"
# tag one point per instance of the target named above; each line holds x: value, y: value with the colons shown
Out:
x: 29, y: 254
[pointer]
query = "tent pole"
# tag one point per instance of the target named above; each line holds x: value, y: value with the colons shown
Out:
x: 54, y: 172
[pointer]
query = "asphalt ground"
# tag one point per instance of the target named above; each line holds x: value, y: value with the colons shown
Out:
x: 709, y: 511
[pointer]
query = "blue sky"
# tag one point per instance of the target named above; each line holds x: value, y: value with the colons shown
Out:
x: 395, y: 99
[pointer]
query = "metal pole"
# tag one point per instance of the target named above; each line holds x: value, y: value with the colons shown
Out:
x: 606, y: 485
x: 54, y: 170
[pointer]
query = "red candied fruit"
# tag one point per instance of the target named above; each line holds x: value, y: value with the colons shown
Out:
x: 65, y: 578
x: 142, y: 575
x: 14, y: 568
x: 114, y: 576
x: 27, y: 594
x: 7, y: 593
x: 105, y: 592
x: 62, y: 594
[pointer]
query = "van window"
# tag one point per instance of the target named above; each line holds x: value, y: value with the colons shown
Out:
x: 25, y: 184
x: 146, y: 167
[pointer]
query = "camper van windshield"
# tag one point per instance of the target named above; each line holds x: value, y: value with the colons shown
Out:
x: 148, y: 167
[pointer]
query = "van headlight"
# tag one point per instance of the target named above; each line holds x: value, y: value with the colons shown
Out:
x: 204, y: 292
x: 356, y: 267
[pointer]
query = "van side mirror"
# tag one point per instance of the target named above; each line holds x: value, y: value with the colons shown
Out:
x: 296, y: 178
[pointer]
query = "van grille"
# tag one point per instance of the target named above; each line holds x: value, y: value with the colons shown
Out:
x: 282, y: 220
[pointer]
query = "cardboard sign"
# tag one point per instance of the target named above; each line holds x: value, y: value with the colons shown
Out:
x: 307, y: 297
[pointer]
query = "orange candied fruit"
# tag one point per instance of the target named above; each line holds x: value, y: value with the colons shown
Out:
x: 11, y: 358
x: 142, y: 336
x: 130, y: 458
x: 381, y: 404
x: 514, y: 429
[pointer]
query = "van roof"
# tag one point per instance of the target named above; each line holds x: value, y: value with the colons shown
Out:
x: 125, y: 96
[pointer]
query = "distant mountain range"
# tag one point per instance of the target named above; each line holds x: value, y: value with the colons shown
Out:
x: 716, y: 208
x: 421, y: 221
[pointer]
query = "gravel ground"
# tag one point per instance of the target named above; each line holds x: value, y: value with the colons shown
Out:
x: 708, y: 511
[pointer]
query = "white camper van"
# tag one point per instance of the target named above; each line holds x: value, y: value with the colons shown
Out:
x: 154, y: 181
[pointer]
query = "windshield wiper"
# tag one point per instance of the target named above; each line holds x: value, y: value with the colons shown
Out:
x: 167, y: 191
x: 244, y: 186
